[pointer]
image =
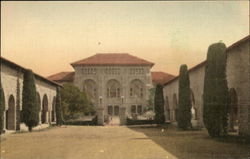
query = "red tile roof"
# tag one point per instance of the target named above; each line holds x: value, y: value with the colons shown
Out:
x: 62, y: 77
x: 161, y: 77
x: 112, y: 59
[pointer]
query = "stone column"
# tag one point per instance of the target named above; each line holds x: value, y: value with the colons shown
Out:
x: 100, y: 116
x: 123, y: 119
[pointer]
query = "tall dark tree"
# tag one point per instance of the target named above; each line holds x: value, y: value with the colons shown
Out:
x: 159, y: 105
x: 59, y: 118
x: 2, y: 108
x: 184, y: 120
x: 30, y: 113
x: 215, y: 96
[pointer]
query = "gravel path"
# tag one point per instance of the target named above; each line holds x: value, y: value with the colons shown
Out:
x: 82, y: 142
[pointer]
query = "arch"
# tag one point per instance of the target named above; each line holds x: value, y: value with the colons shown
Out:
x: 38, y: 98
x: 193, y: 107
x: 10, y: 114
x: 137, y: 88
x: 90, y: 87
x: 113, y: 89
x: 175, y: 107
x: 53, y: 112
x: 45, y: 109
x: 233, y: 110
x: 167, y: 109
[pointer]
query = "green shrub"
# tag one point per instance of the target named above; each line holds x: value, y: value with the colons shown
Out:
x: 159, y: 105
x: 2, y: 108
x: 184, y: 119
x: 139, y: 122
x: 59, y: 118
x: 215, y: 99
x: 30, y: 111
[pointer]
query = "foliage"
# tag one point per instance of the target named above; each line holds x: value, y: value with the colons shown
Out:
x: 59, y: 118
x: 80, y: 122
x: 74, y: 101
x: 139, y: 122
x: 184, y: 119
x: 215, y: 97
x: 30, y: 113
x: 159, y: 105
x: 151, y: 99
x: 2, y: 108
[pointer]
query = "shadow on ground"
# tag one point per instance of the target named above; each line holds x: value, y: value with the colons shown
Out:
x: 195, y: 144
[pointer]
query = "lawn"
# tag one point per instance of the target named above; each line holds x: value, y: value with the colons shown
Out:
x: 196, y: 144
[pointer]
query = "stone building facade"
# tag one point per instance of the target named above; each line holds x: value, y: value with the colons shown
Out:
x: 116, y: 83
x: 12, y: 83
x: 238, y: 77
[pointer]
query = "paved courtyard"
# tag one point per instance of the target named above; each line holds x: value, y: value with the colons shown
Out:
x: 114, y: 142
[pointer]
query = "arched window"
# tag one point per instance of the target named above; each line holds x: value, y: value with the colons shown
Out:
x: 113, y: 89
x: 90, y: 87
x: 137, y: 89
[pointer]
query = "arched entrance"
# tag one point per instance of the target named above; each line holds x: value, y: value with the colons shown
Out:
x: 53, y: 112
x: 44, y: 109
x: 233, y: 110
x: 38, y: 99
x: 10, y: 114
x: 194, y: 117
x: 175, y: 107
x: 167, y: 109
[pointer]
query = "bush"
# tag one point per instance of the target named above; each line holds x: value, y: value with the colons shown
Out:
x: 59, y: 118
x: 79, y: 122
x: 30, y: 111
x: 184, y: 119
x: 2, y: 108
x: 215, y: 99
x: 159, y: 105
x: 74, y: 101
x: 139, y: 122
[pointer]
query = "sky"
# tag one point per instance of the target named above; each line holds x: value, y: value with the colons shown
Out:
x: 47, y: 36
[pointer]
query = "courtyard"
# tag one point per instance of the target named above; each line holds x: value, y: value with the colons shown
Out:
x: 118, y: 142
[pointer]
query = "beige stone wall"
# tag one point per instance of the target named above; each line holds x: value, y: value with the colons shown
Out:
x: 9, y: 80
x: 123, y: 75
x: 238, y: 77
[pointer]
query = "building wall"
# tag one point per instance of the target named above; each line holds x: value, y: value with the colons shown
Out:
x: 102, y: 74
x: 238, y: 77
x: 238, y: 68
x: 10, y: 77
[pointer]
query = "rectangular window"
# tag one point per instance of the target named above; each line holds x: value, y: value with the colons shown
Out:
x: 110, y: 110
x: 131, y: 92
x: 133, y: 109
x: 139, y: 109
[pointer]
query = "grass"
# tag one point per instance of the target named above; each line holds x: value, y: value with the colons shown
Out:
x: 195, y: 144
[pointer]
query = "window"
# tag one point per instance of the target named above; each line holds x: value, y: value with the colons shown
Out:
x: 133, y: 109
x: 110, y: 110
x: 131, y: 92
x: 113, y: 89
x: 139, y: 109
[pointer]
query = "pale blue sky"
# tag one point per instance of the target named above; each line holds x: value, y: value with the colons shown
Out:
x: 47, y: 36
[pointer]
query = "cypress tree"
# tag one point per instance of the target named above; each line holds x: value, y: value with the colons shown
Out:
x: 30, y: 105
x: 184, y: 120
x: 2, y: 108
x: 59, y: 118
x: 159, y: 105
x: 215, y: 95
